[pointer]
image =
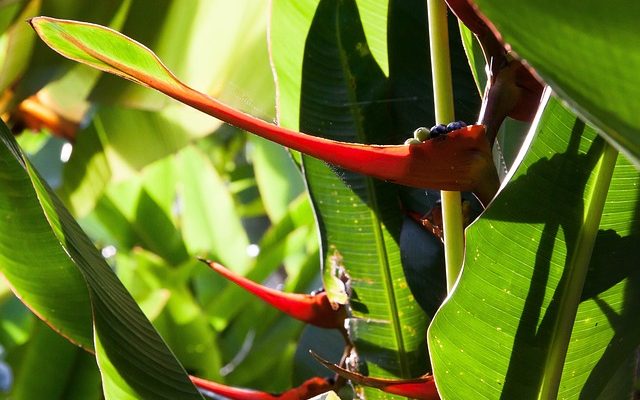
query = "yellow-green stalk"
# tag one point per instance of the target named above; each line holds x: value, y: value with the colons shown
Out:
x: 443, y: 99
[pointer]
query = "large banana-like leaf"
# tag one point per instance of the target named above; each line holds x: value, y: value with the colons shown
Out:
x: 57, y: 272
x: 342, y: 98
x: 587, y: 51
x: 345, y: 96
x: 498, y: 335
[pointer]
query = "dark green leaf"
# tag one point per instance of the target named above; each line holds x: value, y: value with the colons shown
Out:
x: 587, y: 51
x: 75, y: 291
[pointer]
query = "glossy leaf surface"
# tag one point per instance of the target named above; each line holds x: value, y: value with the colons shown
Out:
x: 587, y: 51
x: 92, y: 306
x: 358, y: 216
x: 517, y: 266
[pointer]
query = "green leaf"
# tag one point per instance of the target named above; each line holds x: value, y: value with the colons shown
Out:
x: 342, y: 88
x: 74, y: 290
x: 58, y: 287
x: 494, y: 337
x: 68, y: 94
x: 474, y: 53
x: 64, y: 371
x: 278, y: 178
x: 210, y: 223
x: 235, y: 70
x: 107, y: 52
x: 587, y: 51
x: 16, y: 42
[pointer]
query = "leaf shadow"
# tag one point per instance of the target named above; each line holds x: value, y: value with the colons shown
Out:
x: 567, y: 173
x: 609, y: 267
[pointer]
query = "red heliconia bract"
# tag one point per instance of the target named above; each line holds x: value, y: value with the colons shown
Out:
x: 310, y: 388
x: 460, y: 161
x: 313, y: 309
x: 422, y: 388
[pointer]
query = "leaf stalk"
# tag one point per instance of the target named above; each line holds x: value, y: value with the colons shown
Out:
x: 444, y: 111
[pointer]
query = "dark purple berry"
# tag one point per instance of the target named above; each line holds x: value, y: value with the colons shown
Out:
x: 437, y: 130
x: 454, y: 126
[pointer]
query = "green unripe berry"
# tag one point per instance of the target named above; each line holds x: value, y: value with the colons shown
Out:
x: 421, y: 134
x: 411, y: 141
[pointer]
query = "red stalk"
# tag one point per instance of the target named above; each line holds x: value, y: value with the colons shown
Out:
x: 315, y: 309
x: 460, y: 161
x: 422, y: 388
x: 310, y: 388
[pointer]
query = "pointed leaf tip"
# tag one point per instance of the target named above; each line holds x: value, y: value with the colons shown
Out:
x: 315, y: 309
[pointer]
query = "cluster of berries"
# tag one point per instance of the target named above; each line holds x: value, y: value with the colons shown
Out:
x: 422, y: 134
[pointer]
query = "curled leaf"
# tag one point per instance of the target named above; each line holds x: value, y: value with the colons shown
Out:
x: 422, y: 388
x: 314, y: 309
x: 513, y: 88
x: 461, y: 162
x: 310, y: 388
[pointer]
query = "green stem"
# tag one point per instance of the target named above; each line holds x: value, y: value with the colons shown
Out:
x: 577, y: 271
x: 443, y: 99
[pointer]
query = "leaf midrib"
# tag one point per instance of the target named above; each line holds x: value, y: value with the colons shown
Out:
x: 375, y: 211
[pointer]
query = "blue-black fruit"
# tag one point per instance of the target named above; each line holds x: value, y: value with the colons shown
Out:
x: 437, y: 130
x: 454, y: 126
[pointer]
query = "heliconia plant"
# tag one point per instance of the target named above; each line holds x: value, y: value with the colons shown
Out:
x: 535, y: 299
x: 461, y: 162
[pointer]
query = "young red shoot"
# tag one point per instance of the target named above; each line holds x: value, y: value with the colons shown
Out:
x: 310, y: 388
x: 422, y: 388
x: 461, y: 161
x: 314, y: 309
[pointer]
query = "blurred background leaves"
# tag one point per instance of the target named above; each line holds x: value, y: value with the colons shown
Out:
x: 155, y: 184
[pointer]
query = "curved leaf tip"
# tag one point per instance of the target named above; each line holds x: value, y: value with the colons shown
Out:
x: 105, y: 49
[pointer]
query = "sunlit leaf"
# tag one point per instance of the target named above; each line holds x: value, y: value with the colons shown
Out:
x: 91, y: 307
x: 497, y: 327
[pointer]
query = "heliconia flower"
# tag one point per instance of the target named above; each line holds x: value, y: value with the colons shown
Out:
x: 422, y: 388
x: 313, y: 309
x: 310, y: 388
x: 461, y: 162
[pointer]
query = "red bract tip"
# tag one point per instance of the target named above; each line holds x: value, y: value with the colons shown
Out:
x: 310, y: 388
x: 315, y: 309
x: 422, y: 388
